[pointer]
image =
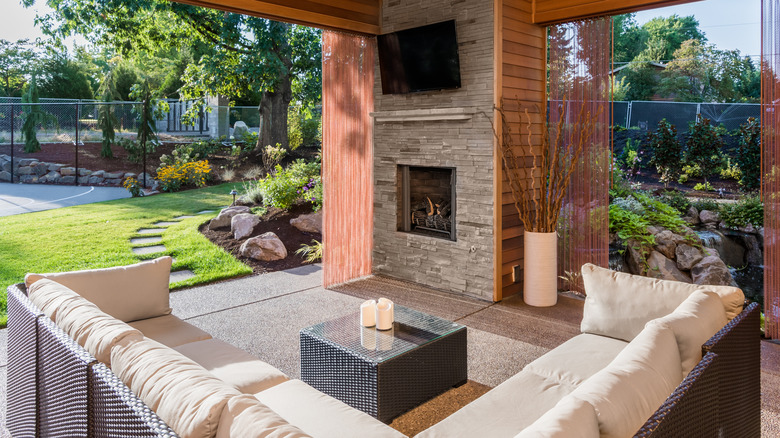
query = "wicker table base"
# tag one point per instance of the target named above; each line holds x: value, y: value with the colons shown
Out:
x: 384, y: 374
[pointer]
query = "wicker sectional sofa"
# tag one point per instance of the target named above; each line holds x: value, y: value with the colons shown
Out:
x: 99, y: 364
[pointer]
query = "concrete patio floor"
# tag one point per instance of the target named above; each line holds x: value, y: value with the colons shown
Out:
x: 263, y: 315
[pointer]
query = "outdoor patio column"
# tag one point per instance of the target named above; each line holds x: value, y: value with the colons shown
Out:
x: 770, y: 161
x: 347, y: 155
x: 579, y: 64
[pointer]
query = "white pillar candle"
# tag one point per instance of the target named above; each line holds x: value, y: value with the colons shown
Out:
x: 392, y: 307
x: 384, y: 339
x: 368, y: 338
x: 368, y: 313
x: 384, y: 314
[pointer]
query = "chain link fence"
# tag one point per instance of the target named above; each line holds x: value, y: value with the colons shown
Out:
x: 646, y: 115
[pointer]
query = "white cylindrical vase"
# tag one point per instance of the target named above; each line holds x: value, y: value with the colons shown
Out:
x: 540, y: 273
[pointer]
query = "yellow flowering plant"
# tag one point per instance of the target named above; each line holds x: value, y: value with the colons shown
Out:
x: 175, y: 176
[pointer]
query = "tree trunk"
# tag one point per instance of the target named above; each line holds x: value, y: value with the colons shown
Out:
x: 273, y: 115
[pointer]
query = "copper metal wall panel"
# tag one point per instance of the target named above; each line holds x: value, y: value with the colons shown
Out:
x: 770, y: 158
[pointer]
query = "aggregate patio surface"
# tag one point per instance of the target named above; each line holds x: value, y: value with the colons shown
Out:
x: 263, y: 315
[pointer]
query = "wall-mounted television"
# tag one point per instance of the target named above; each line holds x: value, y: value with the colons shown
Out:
x: 419, y: 59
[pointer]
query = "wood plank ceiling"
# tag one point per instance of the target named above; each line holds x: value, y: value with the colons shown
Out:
x: 364, y: 16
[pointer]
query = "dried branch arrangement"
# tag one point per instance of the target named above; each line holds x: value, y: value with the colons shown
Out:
x: 538, y: 190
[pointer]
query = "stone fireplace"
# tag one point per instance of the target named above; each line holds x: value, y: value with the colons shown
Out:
x: 427, y: 201
x: 438, y: 229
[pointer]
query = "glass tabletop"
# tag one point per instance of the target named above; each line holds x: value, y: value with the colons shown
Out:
x: 411, y: 329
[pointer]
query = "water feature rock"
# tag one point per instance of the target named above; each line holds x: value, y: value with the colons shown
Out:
x: 711, y: 270
x: 687, y: 256
x: 634, y: 258
x: 753, y: 253
x: 692, y: 216
x: 661, y: 267
x: 265, y: 247
x: 666, y: 243
x: 709, y: 218
x: 308, y: 223
x: 242, y: 225
x: 225, y: 216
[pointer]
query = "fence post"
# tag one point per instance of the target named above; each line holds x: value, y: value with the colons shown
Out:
x: 76, y: 143
x: 628, y: 114
x: 698, y: 111
x: 12, y: 143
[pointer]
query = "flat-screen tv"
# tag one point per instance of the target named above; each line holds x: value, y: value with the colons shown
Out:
x: 419, y: 59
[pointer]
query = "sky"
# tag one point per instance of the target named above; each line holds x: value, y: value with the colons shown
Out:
x: 729, y: 24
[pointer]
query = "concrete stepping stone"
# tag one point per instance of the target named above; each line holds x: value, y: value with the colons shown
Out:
x: 143, y: 250
x: 206, y: 212
x: 181, y: 275
x: 165, y: 224
x: 150, y: 230
x: 186, y: 216
x: 145, y: 240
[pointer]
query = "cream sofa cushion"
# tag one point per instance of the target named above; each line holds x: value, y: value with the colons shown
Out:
x: 90, y: 327
x: 627, y: 392
x: 127, y: 293
x: 504, y: 410
x: 693, y: 322
x: 565, y: 363
x: 246, y: 417
x: 570, y: 418
x: 619, y: 305
x: 186, y: 396
x: 321, y: 415
x: 169, y: 330
x: 232, y: 365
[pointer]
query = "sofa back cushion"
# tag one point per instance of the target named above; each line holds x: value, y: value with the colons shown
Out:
x: 619, y: 305
x: 693, y: 322
x: 570, y: 418
x: 244, y: 416
x: 186, y: 396
x: 127, y: 293
x: 97, y: 332
x: 634, y: 385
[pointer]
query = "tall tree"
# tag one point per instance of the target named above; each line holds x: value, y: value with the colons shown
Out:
x: 16, y: 61
x: 281, y: 62
x: 665, y: 35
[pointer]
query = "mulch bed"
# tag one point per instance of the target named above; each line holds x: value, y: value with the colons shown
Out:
x: 277, y: 221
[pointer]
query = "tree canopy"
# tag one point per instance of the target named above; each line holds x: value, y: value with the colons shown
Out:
x: 231, y: 55
x: 16, y: 62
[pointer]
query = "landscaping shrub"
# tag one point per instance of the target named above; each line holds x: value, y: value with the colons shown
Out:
x: 300, y: 181
x: 749, y: 154
x: 747, y: 211
x: 706, y: 204
x: 132, y: 186
x: 304, y: 128
x: 704, y: 147
x: 188, y: 153
x: 134, y: 149
x: 677, y: 200
x: 179, y: 175
x: 666, y: 151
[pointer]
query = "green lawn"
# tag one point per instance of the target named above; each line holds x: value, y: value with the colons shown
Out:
x: 98, y: 236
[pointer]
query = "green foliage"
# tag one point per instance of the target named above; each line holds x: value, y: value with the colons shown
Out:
x: 677, y: 200
x: 703, y: 147
x: 134, y: 149
x: 629, y: 204
x: 704, y: 187
x: 16, y: 60
x: 187, y: 153
x: 706, y: 204
x: 252, y: 192
x: 304, y: 128
x: 631, y: 158
x: 749, y: 154
x: 666, y: 151
x: 125, y: 78
x: 33, y: 116
x: 176, y: 176
x: 730, y: 170
x: 62, y: 77
x: 311, y: 253
x: 300, y: 181
x: 151, y: 109
x: 630, y: 226
x: 747, y: 211
x: 106, y: 116
x: 133, y: 186
x: 272, y: 156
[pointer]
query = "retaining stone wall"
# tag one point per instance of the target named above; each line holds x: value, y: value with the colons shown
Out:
x: 32, y: 171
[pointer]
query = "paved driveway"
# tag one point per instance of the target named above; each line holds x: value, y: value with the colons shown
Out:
x: 25, y: 198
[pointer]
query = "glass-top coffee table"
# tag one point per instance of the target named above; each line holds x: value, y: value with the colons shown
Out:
x: 384, y: 373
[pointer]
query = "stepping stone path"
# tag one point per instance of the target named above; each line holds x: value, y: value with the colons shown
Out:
x: 180, y: 275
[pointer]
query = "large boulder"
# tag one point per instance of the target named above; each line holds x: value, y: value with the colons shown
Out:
x: 712, y: 271
x: 225, y: 216
x: 709, y: 218
x: 265, y: 247
x: 308, y: 223
x: 666, y: 243
x: 665, y: 269
x: 633, y: 257
x: 687, y: 256
x: 242, y: 225
x: 239, y: 130
x: 692, y: 216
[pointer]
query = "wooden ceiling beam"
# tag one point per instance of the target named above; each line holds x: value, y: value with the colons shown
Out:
x: 359, y: 16
x: 546, y: 12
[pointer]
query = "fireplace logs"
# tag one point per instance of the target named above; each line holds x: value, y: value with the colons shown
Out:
x: 435, y: 216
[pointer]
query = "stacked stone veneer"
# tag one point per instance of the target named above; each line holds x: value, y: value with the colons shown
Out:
x: 408, y: 131
x: 32, y: 171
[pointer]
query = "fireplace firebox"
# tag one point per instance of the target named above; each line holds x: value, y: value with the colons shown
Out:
x: 427, y: 201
